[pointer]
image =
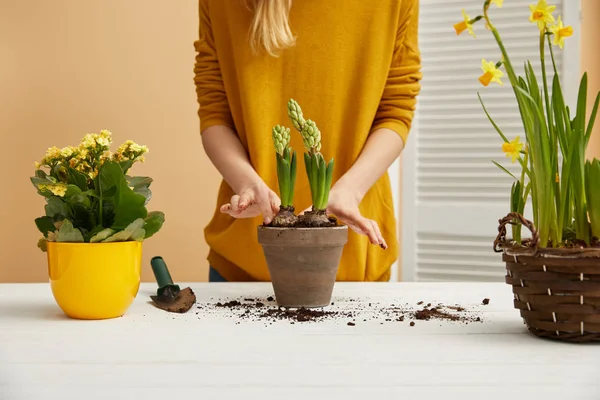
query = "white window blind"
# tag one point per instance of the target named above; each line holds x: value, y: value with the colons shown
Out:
x: 453, y: 195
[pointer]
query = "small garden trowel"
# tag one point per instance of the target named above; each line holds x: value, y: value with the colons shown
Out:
x: 170, y: 297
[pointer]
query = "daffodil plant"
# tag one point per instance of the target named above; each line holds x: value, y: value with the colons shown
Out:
x: 89, y: 196
x: 564, y: 193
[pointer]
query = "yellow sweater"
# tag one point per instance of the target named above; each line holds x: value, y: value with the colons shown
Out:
x: 355, y: 68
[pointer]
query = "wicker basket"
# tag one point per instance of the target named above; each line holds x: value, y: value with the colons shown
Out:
x: 556, y: 290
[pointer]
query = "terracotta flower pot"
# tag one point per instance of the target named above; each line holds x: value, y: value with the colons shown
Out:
x: 94, y: 280
x: 303, y: 263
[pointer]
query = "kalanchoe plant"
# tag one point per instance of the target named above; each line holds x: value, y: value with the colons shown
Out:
x: 319, y: 172
x: 89, y: 196
x: 286, y: 175
x: 564, y: 193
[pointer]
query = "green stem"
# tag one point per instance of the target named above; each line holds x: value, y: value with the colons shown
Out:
x: 544, y: 79
x: 322, y: 181
x: 314, y: 170
x: 292, y: 179
x: 100, y: 199
x: 328, y: 180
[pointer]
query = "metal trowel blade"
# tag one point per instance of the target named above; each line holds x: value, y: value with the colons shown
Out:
x: 181, y: 303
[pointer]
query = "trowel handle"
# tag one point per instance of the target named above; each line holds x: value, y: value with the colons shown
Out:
x: 161, y: 272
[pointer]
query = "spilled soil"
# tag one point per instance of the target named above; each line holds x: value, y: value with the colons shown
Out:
x: 353, y: 313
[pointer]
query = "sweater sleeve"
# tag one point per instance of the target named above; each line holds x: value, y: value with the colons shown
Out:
x: 398, y: 102
x: 210, y: 89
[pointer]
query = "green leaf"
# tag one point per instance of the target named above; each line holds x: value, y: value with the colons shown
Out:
x: 139, y: 181
x: 125, y: 165
x: 492, y: 121
x: 308, y: 166
x: 56, y: 207
x: 328, y: 180
x: 100, y: 236
x: 80, y: 199
x: 68, y: 233
x: 285, y: 173
x: 505, y: 170
x: 322, y: 182
x: 314, y: 179
x: 133, y: 231
x: 592, y: 184
x: 45, y: 225
x: 141, y: 185
x: 592, y: 120
x: 154, y: 221
x: 83, y: 217
x: 280, y: 176
x: 72, y: 190
x: 292, y: 175
x: 40, y: 174
x: 78, y: 178
x: 108, y: 213
x: 128, y: 205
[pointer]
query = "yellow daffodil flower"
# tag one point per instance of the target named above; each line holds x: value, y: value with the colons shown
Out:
x: 490, y: 73
x: 513, y: 149
x: 561, y: 32
x: 464, y: 24
x: 541, y: 13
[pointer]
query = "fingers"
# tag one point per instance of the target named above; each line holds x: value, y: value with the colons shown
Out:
x: 363, y: 226
x: 381, y: 240
x: 266, y: 204
x: 367, y: 228
x: 235, y: 204
x: 246, y: 199
x: 275, y: 203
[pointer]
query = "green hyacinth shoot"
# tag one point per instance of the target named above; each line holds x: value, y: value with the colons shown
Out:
x: 319, y: 172
x: 286, y: 165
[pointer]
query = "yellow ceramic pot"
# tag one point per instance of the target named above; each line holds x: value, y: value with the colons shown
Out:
x: 94, y: 280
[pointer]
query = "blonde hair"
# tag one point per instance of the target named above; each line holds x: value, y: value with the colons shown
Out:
x: 270, y: 30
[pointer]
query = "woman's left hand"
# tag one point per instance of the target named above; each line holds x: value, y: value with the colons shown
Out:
x: 344, y: 205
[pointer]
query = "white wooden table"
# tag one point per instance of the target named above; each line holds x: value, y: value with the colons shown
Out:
x: 150, y: 354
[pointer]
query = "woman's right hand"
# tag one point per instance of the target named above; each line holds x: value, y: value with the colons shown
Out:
x: 252, y: 202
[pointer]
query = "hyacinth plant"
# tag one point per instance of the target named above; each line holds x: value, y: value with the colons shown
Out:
x: 319, y: 173
x: 89, y: 196
x: 286, y: 175
x: 565, y: 194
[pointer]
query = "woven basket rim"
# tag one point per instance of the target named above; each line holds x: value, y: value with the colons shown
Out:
x: 512, y: 249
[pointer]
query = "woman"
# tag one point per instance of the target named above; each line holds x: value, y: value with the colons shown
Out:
x: 354, y: 68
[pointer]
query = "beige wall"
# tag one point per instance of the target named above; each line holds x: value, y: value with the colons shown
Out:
x: 70, y: 67
x: 590, y: 62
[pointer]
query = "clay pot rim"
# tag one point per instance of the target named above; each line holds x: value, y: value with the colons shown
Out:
x: 303, y: 229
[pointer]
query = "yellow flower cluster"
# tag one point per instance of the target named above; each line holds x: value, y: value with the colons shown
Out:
x: 92, y: 152
x: 57, y: 189
x: 130, y: 151
x: 97, y: 142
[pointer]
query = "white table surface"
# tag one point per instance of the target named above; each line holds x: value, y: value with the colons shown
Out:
x: 151, y: 354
